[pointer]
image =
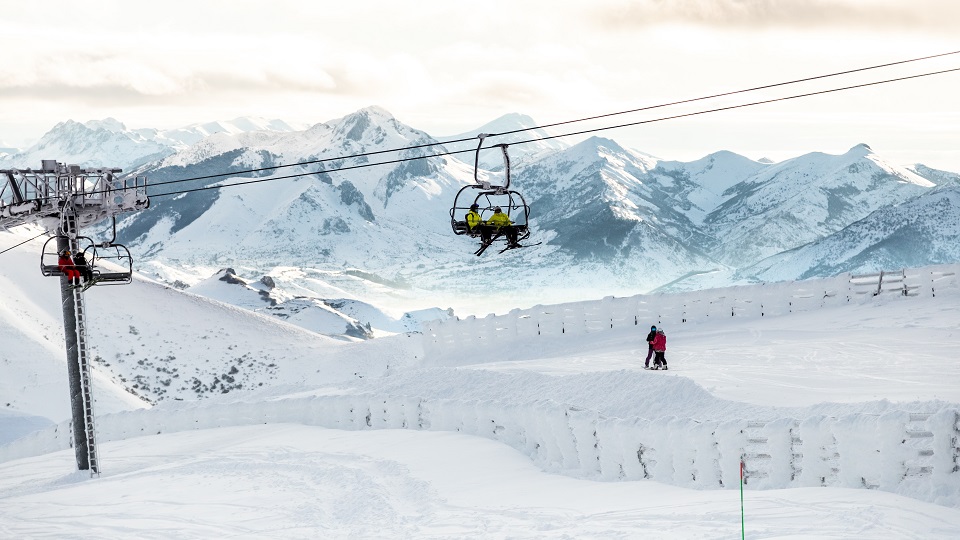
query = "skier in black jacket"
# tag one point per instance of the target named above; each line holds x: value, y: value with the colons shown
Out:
x: 650, y: 336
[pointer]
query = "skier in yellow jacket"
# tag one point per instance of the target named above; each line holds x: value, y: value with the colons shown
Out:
x: 501, y: 221
x: 473, y: 218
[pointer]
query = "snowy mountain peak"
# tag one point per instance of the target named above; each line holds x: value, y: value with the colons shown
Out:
x: 109, y: 124
x: 366, y: 125
x: 242, y: 124
x: 603, y: 148
x: 859, y: 151
x: 96, y: 143
x: 508, y: 122
x: 727, y: 156
x: 519, y: 153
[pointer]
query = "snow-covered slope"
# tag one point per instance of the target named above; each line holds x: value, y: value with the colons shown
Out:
x: 846, y: 378
x: 340, y: 318
x: 558, y: 417
x: 802, y: 199
x: 924, y: 230
x: 32, y: 355
x: 149, y: 343
x: 603, y: 213
x: 699, y: 187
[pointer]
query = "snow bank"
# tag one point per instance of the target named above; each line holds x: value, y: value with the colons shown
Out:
x: 912, y: 454
x: 446, y: 340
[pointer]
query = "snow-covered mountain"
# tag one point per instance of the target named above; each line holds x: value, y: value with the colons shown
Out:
x: 923, y: 230
x: 597, y: 200
x: 188, y: 135
x: 356, y: 219
x: 96, y: 143
x: 340, y: 318
x: 941, y: 178
x: 324, y: 221
x: 526, y: 129
x: 109, y: 142
x: 804, y: 199
x: 150, y: 342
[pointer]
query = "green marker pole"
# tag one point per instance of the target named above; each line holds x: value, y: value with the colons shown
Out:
x: 743, y: 530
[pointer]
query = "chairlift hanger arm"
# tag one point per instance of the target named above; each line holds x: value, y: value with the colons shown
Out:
x: 476, y: 158
x: 506, y: 163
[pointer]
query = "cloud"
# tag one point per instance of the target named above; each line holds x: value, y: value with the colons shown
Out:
x: 931, y: 15
x: 110, y: 77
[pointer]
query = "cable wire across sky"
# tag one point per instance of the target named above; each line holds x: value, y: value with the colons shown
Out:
x: 473, y: 139
x: 565, y: 122
x: 547, y: 137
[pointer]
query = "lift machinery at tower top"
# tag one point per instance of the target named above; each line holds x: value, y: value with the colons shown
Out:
x: 89, y: 194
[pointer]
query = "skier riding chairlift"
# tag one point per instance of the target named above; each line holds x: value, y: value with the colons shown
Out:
x: 484, y: 200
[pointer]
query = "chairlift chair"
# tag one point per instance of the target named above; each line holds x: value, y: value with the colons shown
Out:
x: 488, y: 196
x: 94, y: 254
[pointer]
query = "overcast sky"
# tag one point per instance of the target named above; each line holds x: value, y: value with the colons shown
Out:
x: 448, y: 67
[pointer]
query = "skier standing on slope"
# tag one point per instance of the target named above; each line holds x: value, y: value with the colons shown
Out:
x: 659, y: 350
x: 650, y: 336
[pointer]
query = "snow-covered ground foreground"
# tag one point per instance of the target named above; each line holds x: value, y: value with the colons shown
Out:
x: 521, y: 437
x: 294, y: 481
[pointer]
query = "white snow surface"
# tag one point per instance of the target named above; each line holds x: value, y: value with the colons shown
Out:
x: 399, y: 437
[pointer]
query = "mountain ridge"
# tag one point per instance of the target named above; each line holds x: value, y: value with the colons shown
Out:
x: 603, y: 213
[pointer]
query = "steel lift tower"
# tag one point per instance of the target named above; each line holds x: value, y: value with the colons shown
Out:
x: 63, y: 199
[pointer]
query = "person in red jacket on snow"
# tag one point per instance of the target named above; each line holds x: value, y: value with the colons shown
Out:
x: 659, y: 350
x: 65, y: 264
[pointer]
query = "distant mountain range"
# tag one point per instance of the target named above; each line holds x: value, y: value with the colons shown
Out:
x: 611, y: 220
x: 108, y: 142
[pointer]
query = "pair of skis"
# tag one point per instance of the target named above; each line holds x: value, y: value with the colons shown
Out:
x: 85, y: 285
x: 485, y: 245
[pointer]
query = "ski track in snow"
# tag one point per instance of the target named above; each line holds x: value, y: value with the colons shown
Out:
x: 286, y: 481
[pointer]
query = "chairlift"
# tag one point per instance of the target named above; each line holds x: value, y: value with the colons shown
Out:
x: 94, y: 254
x: 488, y: 197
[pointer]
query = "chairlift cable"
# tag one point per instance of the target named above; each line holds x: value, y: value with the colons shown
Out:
x: 742, y: 105
x: 325, y: 171
x: 582, y: 132
x: 764, y: 87
x: 316, y: 161
x: 22, y: 243
x: 454, y: 141
x: 401, y: 160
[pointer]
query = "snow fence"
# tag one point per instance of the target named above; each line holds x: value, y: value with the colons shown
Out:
x: 911, y: 454
x: 445, y: 341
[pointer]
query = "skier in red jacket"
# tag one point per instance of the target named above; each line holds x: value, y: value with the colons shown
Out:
x: 659, y: 350
x: 65, y: 264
